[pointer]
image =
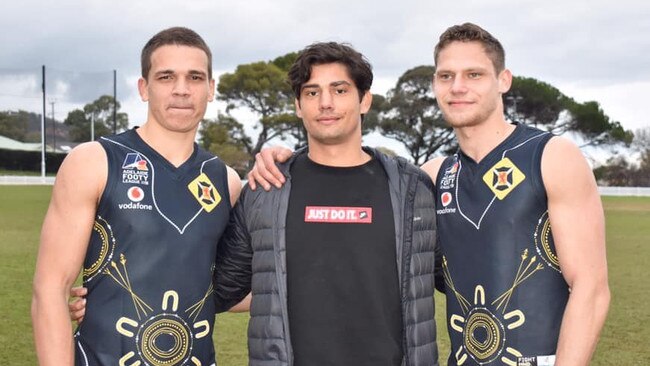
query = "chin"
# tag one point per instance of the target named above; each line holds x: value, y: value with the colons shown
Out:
x: 461, y: 121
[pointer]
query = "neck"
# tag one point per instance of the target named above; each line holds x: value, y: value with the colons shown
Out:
x: 341, y: 155
x: 477, y: 141
x: 175, y: 147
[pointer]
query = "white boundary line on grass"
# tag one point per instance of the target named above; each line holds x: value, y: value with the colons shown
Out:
x: 25, y: 180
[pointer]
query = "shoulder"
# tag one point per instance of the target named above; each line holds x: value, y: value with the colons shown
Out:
x: 88, y: 158
x: 234, y: 185
x: 87, y: 163
x: 559, y: 152
x: 563, y: 165
x: 432, y: 167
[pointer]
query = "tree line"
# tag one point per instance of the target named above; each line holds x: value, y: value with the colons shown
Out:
x: 407, y: 113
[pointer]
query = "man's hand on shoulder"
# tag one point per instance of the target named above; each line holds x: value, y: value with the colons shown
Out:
x: 265, y: 172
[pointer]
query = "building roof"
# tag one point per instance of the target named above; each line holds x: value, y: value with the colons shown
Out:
x: 9, y: 144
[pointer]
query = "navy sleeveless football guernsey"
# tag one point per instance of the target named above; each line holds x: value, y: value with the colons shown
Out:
x: 148, y: 268
x: 505, y: 291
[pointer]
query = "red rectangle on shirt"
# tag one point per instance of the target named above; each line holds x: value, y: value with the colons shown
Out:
x: 338, y: 215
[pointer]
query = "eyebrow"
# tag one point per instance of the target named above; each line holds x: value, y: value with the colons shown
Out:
x: 334, y: 83
x: 163, y: 72
x: 171, y: 71
x: 469, y: 69
x: 341, y: 82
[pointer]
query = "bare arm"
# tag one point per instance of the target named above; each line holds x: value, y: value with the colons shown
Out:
x: 265, y: 172
x: 243, y: 306
x: 234, y: 185
x: 432, y: 167
x: 577, y: 222
x: 64, y: 240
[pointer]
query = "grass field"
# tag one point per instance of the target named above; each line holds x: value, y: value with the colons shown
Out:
x: 625, y: 339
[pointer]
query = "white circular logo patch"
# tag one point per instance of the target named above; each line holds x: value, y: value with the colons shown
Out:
x: 446, y: 199
x: 136, y: 194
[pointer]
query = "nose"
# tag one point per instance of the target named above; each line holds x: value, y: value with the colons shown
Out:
x: 326, y: 101
x: 458, y: 85
x: 180, y: 87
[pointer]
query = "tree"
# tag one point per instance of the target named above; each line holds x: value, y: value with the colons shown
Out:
x: 641, y: 140
x: 621, y: 171
x: 410, y: 115
x: 14, y: 125
x: 534, y: 102
x: 641, y: 143
x: 590, y: 120
x: 79, y: 125
x: 262, y: 88
x: 101, y: 111
x: 615, y: 173
x: 542, y: 105
x: 224, y: 136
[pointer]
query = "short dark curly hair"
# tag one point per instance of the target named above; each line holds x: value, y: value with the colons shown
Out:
x: 320, y: 53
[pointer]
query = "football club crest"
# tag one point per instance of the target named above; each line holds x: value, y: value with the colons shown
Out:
x: 448, y: 180
x: 135, y: 161
x: 205, y: 193
x: 503, y: 177
x: 135, y: 169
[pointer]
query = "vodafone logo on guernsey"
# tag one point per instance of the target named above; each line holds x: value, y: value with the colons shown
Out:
x: 446, y: 199
x: 135, y: 195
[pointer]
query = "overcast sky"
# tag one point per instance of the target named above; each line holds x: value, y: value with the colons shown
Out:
x: 590, y: 50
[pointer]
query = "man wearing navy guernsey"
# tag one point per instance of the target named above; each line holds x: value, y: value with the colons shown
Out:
x: 520, y: 222
x: 344, y: 252
x: 141, y: 213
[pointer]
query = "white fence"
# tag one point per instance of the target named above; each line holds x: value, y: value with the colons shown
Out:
x: 25, y: 180
x: 624, y: 191
x: 604, y: 191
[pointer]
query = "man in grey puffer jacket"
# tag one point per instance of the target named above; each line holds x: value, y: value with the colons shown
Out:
x: 344, y: 252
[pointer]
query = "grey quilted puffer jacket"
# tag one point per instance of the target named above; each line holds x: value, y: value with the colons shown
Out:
x: 258, y: 224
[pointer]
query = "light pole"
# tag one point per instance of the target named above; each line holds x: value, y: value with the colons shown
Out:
x: 52, y: 102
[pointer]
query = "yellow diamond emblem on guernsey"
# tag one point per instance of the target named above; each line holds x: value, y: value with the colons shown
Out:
x: 503, y: 177
x: 204, y: 191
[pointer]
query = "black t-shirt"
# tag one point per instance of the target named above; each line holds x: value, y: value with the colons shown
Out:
x: 343, y: 293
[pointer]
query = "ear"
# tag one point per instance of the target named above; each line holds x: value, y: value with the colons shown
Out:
x: 505, y: 81
x: 366, y: 102
x: 212, y: 91
x: 298, y: 111
x: 142, y: 89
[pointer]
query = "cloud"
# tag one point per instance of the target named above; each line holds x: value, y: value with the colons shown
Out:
x: 590, y: 44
